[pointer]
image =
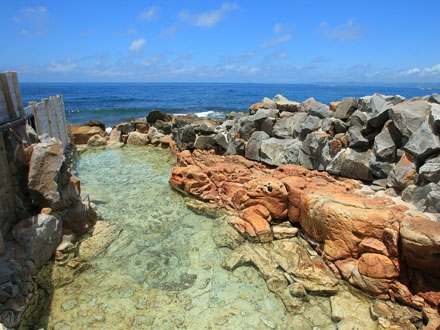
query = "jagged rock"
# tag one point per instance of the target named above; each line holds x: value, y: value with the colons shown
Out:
x: 283, y: 128
x: 422, y: 142
x: 356, y: 165
x: 314, y: 152
x: 285, y: 105
x: 246, y: 126
x: 284, y: 230
x: 298, y: 119
x: 154, y: 136
x: 253, y: 146
x: 403, y: 173
x: 384, y: 146
x: 356, y: 139
x: 254, y: 107
x: 268, y: 192
x: 339, y: 126
x: 259, y: 218
x: 421, y: 245
x: 205, y: 127
x: 378, y: 110
x: 433, y: 202
x: 39, y: 236
x: 430, y: 171
x: 155, y: 115
x: 309, y: 125
x: 434, y: 98
x: 205, y: 142
x: 409, y: 116
x: 222, y: 139
x: 358, y: 118
x: 280, y: 151
x: 346, y: 107
x: 97, y: 141
x: 320, y: 110
x: 95, y: 123
x: 379, y: 168
x: 434, y: 117
x: 267, y: 103
x: 236, y: 147
x: 82, y: 134
x: 47, y: 174
x: 418, y: 194
x: 139, y: 139
x: 125, y: 128
x: 185, y: 137
x: 163, y: 126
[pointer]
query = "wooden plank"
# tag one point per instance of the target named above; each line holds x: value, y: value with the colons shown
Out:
x: 4, y: 113
x: 53, y: 101
x: 63, y: 122
x: 16, y: 86
x: 7, y: 95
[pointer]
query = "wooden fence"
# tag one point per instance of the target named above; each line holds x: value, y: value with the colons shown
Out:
x: 47, y: 117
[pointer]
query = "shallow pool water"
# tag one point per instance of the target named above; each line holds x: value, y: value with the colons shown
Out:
x: 164, y: 270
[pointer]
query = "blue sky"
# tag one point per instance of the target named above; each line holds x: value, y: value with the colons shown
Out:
x: 296, y: 41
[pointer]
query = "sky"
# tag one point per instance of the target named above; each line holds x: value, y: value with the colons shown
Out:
x: 245, y: 41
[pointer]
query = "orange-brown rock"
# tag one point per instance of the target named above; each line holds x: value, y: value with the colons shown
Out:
x: 254, y: 107
x: 82, y: 134
x: 342, y: 220
x: 333, y: 105
x: 259, y: 218
x: 269, y: 192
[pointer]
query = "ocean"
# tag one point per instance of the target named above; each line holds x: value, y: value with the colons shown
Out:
x: 113, y: 103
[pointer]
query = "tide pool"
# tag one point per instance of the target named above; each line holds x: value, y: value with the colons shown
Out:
x: 163, y: 269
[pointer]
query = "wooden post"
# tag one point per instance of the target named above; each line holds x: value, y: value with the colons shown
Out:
x: 14, y: 78
x: 57, y: 116
x: 48, y: 117
x: 7, y: 197
x: 65, y: 135
x: 7, y: 95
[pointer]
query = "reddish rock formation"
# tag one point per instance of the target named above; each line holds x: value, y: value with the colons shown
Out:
x: 372, y: 241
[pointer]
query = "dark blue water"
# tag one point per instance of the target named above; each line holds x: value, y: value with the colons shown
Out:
x: 113, y: 103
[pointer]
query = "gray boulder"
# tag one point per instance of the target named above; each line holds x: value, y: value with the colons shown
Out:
x: 236, y: 147
x: 283, y: 128
x: 346, y: 107
x: 409, y: 116
x: 298, y: 119
x: 253, y: 146
x: 434, y: 98
x: 384, y: 147
x: 305, y: 106
x: 378, y: 110
x: 434, y: 118
x: 358, y: 118
x: 155, y: 115
x: 418, y: 194
x: 356, y: 139
x: 184, y: 137
x: 423, y: 142
x: 280, y: 151
x: 309, y: 125
x: 334, y: 166
x: 404, y: 172
x: 315, y: 154
x: 222, y: 139
x: 380, y: 169
x: 340, y: 126
x: 246, y: 126
x: 320, y: 110
x: 430, y: 171
x: 39, y: 237
x: 136, y: 138
x: 356, y: 165
x: 267, y: 103
x: 433, y: 202
x: 205, y: 142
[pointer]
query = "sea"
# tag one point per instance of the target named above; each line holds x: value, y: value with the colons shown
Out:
x: 113, y: 103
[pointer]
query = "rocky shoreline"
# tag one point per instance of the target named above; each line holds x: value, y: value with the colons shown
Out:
x: 357, y: 179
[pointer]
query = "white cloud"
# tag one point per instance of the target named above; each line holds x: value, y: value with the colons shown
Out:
x: 278, y: 28
x: 153, y: 60
x: 150, y: 14
x: 67, y: 66
x: 34, y: 19
x: 125, y: 33
x: 344, y: 32
x: 432, y: 70
x: 208, y: 18
x: 276, y: 41
x: 137, y: 45
x: 168, y: 32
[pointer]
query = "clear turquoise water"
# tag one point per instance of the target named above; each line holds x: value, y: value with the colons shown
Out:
x: 164, y: 270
